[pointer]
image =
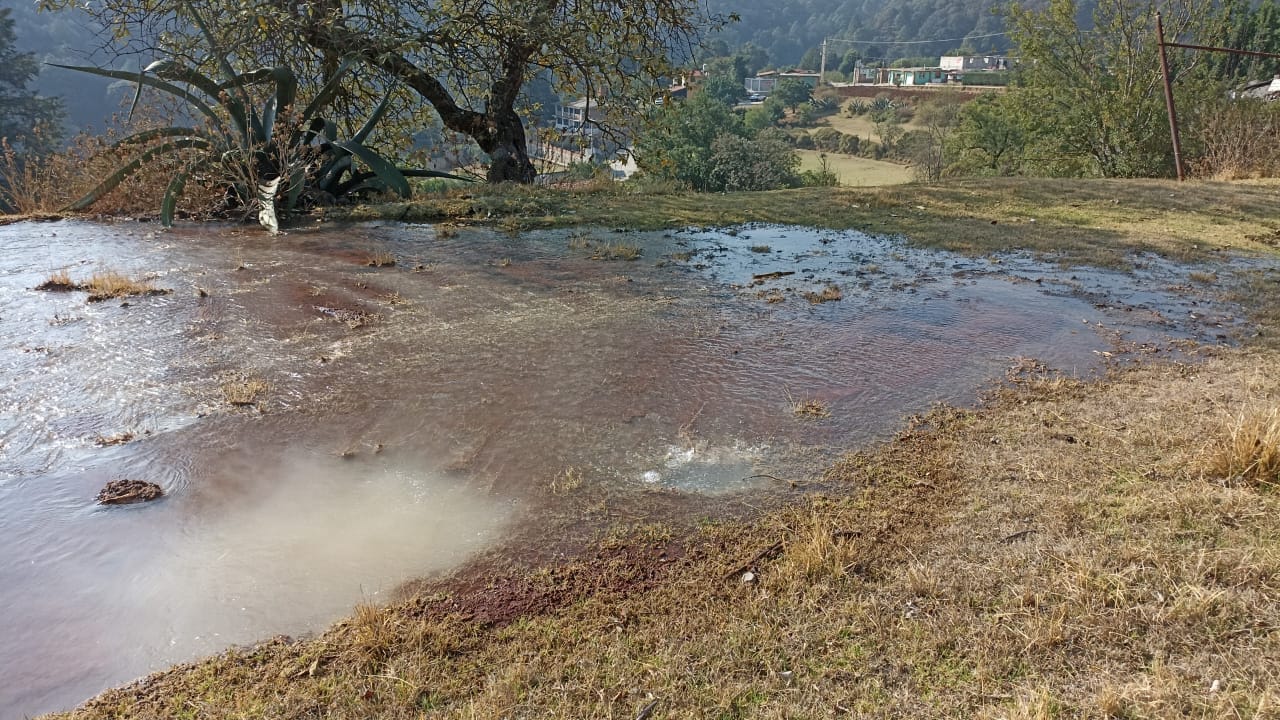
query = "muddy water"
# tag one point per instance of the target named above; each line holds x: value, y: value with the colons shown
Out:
x: 414, y: 412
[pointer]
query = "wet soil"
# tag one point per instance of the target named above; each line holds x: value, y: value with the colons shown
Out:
x: 488, y: 398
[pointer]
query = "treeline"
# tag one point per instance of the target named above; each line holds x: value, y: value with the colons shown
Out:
x: 787, y: 30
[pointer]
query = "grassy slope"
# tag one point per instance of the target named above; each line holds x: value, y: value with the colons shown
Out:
x: 1068, y: 549
x: 857, y: 171
x: 1087, y: 221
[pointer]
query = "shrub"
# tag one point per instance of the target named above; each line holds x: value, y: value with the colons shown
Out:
x: 827, y: 139
x: 765, y: 163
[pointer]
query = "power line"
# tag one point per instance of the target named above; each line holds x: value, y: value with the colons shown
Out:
x: 914, y: 42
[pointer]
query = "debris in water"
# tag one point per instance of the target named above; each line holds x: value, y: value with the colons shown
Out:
x: 125, y: 492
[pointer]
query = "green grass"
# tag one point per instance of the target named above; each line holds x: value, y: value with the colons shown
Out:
x: 857, y: 171
x: 1094, y: 222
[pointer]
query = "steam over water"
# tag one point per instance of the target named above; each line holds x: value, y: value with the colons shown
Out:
x: 412, y: 411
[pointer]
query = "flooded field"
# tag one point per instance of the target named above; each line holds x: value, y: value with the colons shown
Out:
x: 336, y: 411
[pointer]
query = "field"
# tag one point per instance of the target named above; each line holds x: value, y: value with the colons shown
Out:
x: 857, y: 171
x: 1106, y: 548
x: 860, y: 125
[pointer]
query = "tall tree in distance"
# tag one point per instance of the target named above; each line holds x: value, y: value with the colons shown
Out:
x: 32, y: 125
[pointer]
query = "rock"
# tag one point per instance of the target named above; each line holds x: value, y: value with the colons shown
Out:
x: 124, y: 492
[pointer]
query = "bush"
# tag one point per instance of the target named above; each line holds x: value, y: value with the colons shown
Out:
x: 849, y: 144
x: 856, y: 106
x: 765, y: 163
x: 806, y: 115
x: 827, y: 139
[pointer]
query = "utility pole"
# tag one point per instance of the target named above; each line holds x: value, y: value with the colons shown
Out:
x: 822, y: 71
x: 1168, y: 101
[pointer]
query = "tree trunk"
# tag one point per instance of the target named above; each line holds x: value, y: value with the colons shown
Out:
x: 508, y: 155
x: 498, y: 130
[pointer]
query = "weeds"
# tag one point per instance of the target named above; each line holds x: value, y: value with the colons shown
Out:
x: 111, y: 284
x: 380, y: 259
x: 617, y: 251
x: 59, y: 281
x: 1248, y: 449
x: 241, y: 392
x: 566, y: 482
x: 760, y: 249
x: 830, y: 293
x: 808, y: 408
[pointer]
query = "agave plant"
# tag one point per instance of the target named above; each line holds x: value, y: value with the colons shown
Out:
x: 265, y: 164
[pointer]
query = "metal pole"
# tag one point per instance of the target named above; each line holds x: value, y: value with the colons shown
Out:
x: 1168, y: 101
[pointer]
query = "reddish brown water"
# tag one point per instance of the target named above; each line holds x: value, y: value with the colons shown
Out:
x: 412, y: 410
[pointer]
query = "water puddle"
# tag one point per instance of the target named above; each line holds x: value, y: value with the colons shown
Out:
x: 408, y: 417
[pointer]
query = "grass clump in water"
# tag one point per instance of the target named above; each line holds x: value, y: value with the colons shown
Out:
x: 59, y: 282
x: 241, y: 392
x: 808, y: 408
x: 566, y: 482
x: 617, y: 251
x: 761, y: 249
x: 111, y: 284
x: 830, y: 293
x: 381, y: 259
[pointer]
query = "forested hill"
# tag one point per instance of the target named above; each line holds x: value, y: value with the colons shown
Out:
x: 787, y: 29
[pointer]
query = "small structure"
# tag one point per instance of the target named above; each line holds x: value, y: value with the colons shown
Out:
x: 911, y: 76
x: 578, y: 115
x: 804, y: 76
x: 971, y: 63
x: 762, y: 83
x: 1268, y: 90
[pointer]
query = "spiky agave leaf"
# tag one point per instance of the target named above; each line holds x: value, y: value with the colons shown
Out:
x: 152, y: 81
x: 124, y: 171
x: 383, y: 168
x: 328, y: 91
x: 175, y: 188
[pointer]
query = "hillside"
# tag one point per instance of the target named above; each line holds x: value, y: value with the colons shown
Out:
x: 66, y: 37
x: 789, y: 29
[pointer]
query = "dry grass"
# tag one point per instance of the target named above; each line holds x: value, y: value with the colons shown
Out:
x: 380, y: 259
x: 809, y: 408
x: 244, y: 391
x: 49, y: 185
x: 119, y: 438
x: 1247, y: 448
x: 854, y: 171
x: 830, y: 293
x: 566, y: 482
x: 59, y: 281
x: 760, y: 249
x: 111, y: 284
x: 617, y: 251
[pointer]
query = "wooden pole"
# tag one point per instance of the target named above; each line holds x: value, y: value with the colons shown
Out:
x: 1168, y: 101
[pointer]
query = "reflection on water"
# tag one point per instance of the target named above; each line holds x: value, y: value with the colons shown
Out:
x: 411, y: 410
